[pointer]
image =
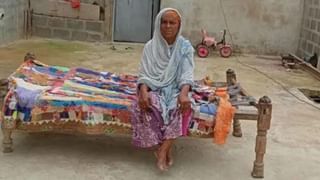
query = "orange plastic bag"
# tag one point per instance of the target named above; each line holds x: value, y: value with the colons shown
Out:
x: 224, y: 118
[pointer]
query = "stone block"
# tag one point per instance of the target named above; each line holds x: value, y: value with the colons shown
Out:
x: 313, y: 24
x: 79, y: 36
x: 42, y: 31
x: 309, y: 35
x: 39, y: 20
x: 45, y: 7
x: 315, y: 38
x: 316, y: 50
x: 90, y: 12
x: 57, y: 22
x: 95, y: 26
x: 303, y: 34
x: 309, y: 47
x: 319, y: 27
x: 61, y: 34
x: 75, y: 24
x: 304, y: 44
x: 311, y: 10
x: 307, y: 23
x: 94, y: 37
x: 315, y: 14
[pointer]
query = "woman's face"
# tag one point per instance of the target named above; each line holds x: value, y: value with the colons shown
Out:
x: 170, y: 25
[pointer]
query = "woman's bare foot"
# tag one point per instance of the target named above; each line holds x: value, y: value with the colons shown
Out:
x: 169, y: 158
x: 161, y: 160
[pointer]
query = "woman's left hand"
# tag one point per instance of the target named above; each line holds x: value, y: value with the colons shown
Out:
x: 184, y: 103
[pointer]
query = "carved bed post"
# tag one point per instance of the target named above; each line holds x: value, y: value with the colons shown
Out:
x: 263, y: 125
x: 7, y: 128
x: 29, y: 56
x: 231, y: 78
x: 7, y: 125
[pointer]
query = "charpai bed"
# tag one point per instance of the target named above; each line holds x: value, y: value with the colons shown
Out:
x: 44, y: 98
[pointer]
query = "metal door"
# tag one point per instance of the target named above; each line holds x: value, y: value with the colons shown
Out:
x: 134, y: 20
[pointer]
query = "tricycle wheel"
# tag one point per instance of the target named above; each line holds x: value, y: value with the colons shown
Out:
x: 225, y: 51
x: 202, y: 51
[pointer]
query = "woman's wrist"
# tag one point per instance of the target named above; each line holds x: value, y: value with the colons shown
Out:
x: 185, y: 90
x: 143, y: 88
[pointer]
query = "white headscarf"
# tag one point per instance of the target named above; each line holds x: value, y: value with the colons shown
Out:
x: 159, y: 66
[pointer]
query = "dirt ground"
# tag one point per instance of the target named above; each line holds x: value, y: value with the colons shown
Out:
x: 293, y: 148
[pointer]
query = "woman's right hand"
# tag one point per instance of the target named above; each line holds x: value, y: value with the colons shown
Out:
x: 144, y: 99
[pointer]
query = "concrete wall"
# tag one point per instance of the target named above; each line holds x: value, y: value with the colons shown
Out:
x: 257, y: 26
x: 11, y: 24
x: 310, y: 30
x: 67, y: 28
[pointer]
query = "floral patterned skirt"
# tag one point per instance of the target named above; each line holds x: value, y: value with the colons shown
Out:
x: 148, y: 127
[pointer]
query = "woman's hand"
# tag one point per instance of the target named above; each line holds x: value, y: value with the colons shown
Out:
x: 144, y: 99
x: 184, y: 103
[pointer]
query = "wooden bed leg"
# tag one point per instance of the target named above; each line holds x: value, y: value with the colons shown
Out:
x: 7, y: 129
x: 263, y: 125
x: 231, y: 78
x: 237, y: 132
x: 7, y: 140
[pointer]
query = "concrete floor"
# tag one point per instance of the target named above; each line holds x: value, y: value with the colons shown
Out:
x: 293, y: 149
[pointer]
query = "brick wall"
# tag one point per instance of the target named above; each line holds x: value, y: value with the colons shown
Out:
x: 67, y: 28
x: 49, y: 26
x: 310, y: 30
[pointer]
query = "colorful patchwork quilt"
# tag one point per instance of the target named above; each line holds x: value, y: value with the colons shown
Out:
x: 42, y: 94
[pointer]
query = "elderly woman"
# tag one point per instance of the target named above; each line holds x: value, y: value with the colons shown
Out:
x: 165, y: 79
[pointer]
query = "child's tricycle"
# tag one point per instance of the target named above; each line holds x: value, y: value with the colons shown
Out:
x: 202, y: 48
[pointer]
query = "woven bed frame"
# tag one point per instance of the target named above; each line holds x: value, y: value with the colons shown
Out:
x: 262, y: 114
